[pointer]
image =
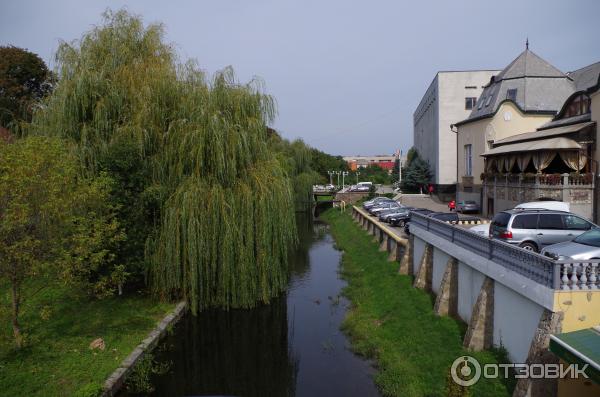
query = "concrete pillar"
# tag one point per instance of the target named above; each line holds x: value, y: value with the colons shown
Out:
x: 550, y: 323
x: 446, y: 302
x: 384, y: 241
x: 406, y: 264
x: 423, y: 277
x: 480, y: 333
x: 393, y: 250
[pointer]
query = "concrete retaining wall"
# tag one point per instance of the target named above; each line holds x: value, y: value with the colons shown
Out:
x: 116, y: 380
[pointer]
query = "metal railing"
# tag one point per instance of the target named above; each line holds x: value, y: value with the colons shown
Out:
x: 558, y: 275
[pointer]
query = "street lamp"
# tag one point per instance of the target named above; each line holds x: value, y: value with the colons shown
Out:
x: 330, y: 173
x: 338, y: 175
x: 343, y: 175
x: 357, y: 174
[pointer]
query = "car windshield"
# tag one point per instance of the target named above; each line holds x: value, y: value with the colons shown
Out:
x: 591, y: 238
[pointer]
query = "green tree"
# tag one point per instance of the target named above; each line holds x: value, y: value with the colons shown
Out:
x: 416, y: 174
x: 24, y: 80
x: 209, y: 206
x: 49, y: 218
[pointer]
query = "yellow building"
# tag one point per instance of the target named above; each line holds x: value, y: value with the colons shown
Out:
x: 521, y: 98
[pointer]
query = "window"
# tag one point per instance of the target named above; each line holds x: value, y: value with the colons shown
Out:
x: 471, y: 87
x: 489, y: 99
x: 511, y: 94
x: 550, y: 221
x: 528, y: 221
x: 470, y: 102
x: 501, y: 219
x: 579, y: 105
x: 468, y: 160
x: 480, y: 103
x: 573, y: 222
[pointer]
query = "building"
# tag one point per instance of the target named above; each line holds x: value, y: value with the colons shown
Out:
x: 450, y: 97
x: 558, y: 160
x: 522, y: 97
x: 385, y: 162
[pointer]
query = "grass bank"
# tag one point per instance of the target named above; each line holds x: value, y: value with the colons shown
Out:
x: 59, y: 326
x: 394, y: 323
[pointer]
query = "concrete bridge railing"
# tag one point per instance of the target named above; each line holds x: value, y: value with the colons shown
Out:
x: 508, y: 297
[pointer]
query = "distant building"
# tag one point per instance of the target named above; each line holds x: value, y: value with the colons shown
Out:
x: 356, y: 162
x: 451, y: 96
x: 525, y: 95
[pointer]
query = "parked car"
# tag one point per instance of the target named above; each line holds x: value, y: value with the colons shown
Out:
x: 533, y: 230
x: 452, y: 205
x: 384, y: 216
x: 444, y: 216
x: 467, y: 206
x: 361, y: 187
x: 404, y: 222
x: 584, y: 247
x: 375, y: 201
x: 483, y: 229
x: 384, y: 206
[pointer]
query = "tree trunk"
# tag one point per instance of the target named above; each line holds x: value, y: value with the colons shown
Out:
x: 15, y: 314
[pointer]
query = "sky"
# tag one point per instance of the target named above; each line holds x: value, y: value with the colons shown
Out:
x: 347, y: 75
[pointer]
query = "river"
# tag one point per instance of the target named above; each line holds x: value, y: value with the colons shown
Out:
x: 291, y: 347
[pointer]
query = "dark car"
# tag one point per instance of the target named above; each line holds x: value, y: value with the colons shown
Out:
x: 384, y: 216
x: 450, y: 217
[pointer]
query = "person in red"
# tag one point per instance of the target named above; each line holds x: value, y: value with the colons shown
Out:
x: 430, y: 190
x: 452, y: 205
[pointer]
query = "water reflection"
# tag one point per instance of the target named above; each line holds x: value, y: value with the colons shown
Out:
x: 291, y: 347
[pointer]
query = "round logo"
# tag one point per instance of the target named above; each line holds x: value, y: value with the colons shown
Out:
x: 465, y: 371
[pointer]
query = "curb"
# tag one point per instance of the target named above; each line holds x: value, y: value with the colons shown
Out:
x: 115, y: 381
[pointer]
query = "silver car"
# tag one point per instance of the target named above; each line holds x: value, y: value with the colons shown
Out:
x: 584, y: 247
x: 533, y: 230
x: 467, y: 206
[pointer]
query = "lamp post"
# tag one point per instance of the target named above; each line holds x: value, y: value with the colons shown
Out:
x: 330, y: 173
x: 338, y: 176
x: 343, y: 175
x: 357, y: 174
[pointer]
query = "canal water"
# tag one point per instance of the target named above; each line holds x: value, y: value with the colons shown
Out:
x: 291, y: 347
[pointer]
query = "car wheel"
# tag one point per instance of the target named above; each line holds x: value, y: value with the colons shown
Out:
x: 529, y: 246
x: 400, y: 224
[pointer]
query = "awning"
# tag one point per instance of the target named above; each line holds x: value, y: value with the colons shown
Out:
x: 531, y: 146
x: 579, y: 347
x: 550, y: 132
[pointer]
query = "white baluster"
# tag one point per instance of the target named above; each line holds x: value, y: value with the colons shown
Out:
x: 574, y: 280
x: 583, y: 277
x: 593, y: 278
x: 565, y: 277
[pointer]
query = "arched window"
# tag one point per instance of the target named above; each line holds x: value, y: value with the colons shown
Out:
x: 578, y: 105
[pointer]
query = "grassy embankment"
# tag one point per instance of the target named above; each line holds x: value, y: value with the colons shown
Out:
x: 60, y: 325
x: 395, y: 324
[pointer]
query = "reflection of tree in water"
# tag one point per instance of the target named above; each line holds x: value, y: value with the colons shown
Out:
x: 309, y: 231
x: 236, y: 352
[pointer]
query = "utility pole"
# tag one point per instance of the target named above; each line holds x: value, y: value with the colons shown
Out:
x: 343, y: 175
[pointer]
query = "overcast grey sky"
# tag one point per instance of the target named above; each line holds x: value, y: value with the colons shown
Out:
x: 347, y: 75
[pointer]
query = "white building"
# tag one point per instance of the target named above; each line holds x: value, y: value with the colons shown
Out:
x: 450, y: 98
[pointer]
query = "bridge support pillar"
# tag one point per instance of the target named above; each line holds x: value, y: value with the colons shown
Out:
x: 384, y: 242
x: 480, y: 333
x: 550, y: 323
x: 424, y: 274
x: 406, y: 264
x: 446, y: 302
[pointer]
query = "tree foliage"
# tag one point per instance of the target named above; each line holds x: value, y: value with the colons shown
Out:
x: 214, y: 205
x: 24, y: 80
x: 54, y: 224
x: 416, y: 174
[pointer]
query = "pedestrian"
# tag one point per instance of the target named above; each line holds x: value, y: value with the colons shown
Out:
x: 430, y: 190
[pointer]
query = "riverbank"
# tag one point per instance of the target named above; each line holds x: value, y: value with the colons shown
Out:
x: 60, y: 325
x: 394, y: 323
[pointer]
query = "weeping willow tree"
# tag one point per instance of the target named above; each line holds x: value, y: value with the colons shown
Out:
x: 222, y: 204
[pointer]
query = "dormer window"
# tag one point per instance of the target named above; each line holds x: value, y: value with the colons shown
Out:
x: 578, y: 106
x: 487, y: 102
x: 480, y: 103
x: 511, y: 94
